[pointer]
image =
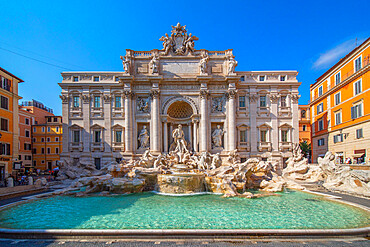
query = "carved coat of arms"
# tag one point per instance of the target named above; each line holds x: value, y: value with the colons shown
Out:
x: 179, y: 43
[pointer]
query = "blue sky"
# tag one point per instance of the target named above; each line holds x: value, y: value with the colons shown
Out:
x: 308, y: 36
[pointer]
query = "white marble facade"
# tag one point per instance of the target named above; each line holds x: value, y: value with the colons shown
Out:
x: 108, y: 115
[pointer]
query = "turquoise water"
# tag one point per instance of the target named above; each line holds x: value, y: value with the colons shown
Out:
x: 294, y: 210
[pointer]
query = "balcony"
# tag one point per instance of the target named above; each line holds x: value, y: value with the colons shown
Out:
x: 285, y: 111
x: 285, y: 146
x: 118, y: 146
x: 263, y: 111
x: 264, y: 146
x: 365, y: 63
x: 97, y: 112
x: 244, y: 146
x: 75, y: 146
x: 117, y: 112
x: 97, y: 146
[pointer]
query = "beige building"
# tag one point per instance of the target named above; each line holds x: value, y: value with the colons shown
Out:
x: 114, y: 115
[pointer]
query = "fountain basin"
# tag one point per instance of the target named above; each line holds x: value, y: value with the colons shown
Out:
x: 180, y: 183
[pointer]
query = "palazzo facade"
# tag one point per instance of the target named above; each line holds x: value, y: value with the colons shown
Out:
x: 119, y: 115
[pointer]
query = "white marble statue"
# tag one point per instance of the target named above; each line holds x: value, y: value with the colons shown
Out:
x: 144, y: 138
x: 167, y: 43
x: 203, y: 64
x: 217, y: 137
x: 232, y: 63
x: 179, y: 140
x: 154, y: 64
x: 189, y: 42
x: 126, y: 62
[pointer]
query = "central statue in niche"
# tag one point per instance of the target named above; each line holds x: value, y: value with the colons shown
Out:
x: 179, y: 140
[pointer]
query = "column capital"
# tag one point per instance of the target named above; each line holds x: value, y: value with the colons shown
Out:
x: 154, y: 93
x: 274, y: 97
x: 295, y: 98
x: 64, y: 98
x: 86, y: 98
x: 253, y: 98
x: 107, y: 98
x: 231, y: 93
x: 128, y: 94
x: 204, y: 93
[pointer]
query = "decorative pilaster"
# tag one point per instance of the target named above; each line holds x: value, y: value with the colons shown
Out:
x: 232, y: 119
x: 274, y: 99
x: 253, y: 99
x: 86, y: 135
x: 204, y: 95
x: 295, y: 117
x: 65, y: 114
x: 128, y: 95
x: 195, y: 135
x: 165, y: 136
x: 155, y: 137
x: 107, y: 122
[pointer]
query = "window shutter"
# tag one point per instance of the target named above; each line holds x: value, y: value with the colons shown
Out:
x: 352, y: 112
x: 359, y: 112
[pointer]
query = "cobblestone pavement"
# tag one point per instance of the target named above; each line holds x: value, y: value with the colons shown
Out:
x: 256, y: 243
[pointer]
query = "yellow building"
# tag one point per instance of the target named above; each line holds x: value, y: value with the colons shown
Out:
x: 340, y: 108
x: 47, y: 142
x: 9, y: 131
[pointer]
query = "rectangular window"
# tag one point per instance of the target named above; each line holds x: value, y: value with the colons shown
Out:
x: 4, y: 103
x: 284, y: 136
x: 75, y: 78
x: 320, y: 108
x: 76, y: 101
x: 42, y: 150
x: 118, y: 136
x: 117, y: 101
x: 321, y: 124
x: 321, y: 142
x: 76, y: 136
x: 241, y: 101
x: 338, y: 138
x: 338, y: 118
x: 358, y: 64
x: 4, y: 149
x: 4, y: 124
x: 320, y: 90
x: 5, y: 83
x: 97, y: 101
x: 359, y: 133
x: 97, y: 136
x: 356, y: 111
x: 34, y: 129
x: 337, y: 98
x: 357, y: 87
x: 57, y: 139
x: 263, y: 134
x: 282, y: 78
x: 43, y: 129
x: 243, y: 136
x: 48, y: 150
x: 242, y: 78
x: 262, y: 101
x: 28, y: 157
x: 27, y: 121
x: 337, y: 78
x: 57, y: 150
x: 27, y: 133
x: 49, y: 119
x: 96, y: 78
x: 304, y: 127
x: 42, y: 139
x: 48, y: 139
x: 55, y: 120
x: 57, y: 129
x: 262, y: 78
x: 49, y: 129
x: 283, y: 101
x: 97, y: 163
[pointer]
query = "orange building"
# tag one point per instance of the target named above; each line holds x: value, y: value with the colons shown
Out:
x: 340, y: 108
x: 304, y: 124
x: 9, y: 131
x: 47, y: 143
x: 26, y: 119
x: 46, y: 135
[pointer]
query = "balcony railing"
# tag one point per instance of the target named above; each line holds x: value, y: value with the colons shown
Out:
x: 365, y: 62
x: 264, y: 146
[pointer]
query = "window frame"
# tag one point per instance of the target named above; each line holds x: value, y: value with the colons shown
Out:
x: 338, y: 117
x: 355, y: 65
x: 355, y: 87
x: 337, y: 98
x: 337, y: 78
x: 6, y: 99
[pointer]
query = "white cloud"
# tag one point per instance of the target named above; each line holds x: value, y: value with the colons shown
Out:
x: 333, y: 55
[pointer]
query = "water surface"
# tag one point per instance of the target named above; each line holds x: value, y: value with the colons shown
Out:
x: 294, y: 210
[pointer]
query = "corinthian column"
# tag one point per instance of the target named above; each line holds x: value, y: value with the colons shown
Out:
x: 203, y: 120
x: 154, y: 137
x: 128, y: 122
x: 232, y: 120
